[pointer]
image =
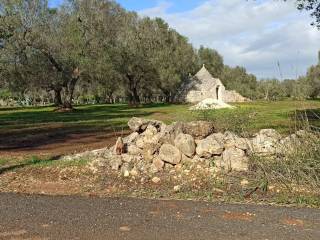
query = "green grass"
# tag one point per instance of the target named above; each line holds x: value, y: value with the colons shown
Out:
x: 3, y: 161
x: 256, y: 115
x: 38, y: 162
x: 45, y: 162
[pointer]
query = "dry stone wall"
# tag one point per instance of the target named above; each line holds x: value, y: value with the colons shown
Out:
x: 154, y: 147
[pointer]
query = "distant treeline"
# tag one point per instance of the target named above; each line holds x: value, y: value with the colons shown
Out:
x: 94, y: 51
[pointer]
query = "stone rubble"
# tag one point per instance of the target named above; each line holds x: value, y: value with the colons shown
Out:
x: 211, y: 103
x: 156, y: 147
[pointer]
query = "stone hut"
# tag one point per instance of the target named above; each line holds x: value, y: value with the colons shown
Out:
x: 203, y: 86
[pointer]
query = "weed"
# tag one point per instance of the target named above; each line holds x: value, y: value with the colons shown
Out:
x: 3, y: 161
x: 297, y: 166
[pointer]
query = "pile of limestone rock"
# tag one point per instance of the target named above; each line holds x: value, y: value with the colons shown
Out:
x: 154, y: 147
x: 210, y: 104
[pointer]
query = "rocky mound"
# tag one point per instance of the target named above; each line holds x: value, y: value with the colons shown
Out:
x: 210, y: 103
x: 154, y: 147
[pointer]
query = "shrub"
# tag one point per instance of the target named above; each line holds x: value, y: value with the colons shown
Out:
x: 299, y: 166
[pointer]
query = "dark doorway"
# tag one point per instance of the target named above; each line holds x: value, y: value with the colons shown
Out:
x: 218, y: 92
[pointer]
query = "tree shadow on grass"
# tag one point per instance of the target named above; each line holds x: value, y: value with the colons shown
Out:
x: 27, y: 163
x: 41, y: 126
x: 82, y: 114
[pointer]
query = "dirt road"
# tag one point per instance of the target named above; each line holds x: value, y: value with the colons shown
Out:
x: 46, y: 217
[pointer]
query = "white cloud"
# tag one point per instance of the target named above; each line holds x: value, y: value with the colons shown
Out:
x: 254, y: 34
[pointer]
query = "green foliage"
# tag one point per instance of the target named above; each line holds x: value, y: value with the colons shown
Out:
x: 3, y: 161
x: 96, y: 48
x: 313, y: 80
x: 238, y: 120
x: 314, y: 7
x: 238, y: 79
x: 212, y: 60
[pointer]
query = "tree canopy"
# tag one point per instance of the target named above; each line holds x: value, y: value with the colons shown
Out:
x: 96, y: 51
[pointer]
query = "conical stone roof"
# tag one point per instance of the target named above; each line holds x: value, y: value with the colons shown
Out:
x: 206, y: 79
x: 204, y: 86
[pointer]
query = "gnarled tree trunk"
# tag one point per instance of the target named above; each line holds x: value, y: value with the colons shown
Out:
x: 57, y: 97
x: 132, y: 91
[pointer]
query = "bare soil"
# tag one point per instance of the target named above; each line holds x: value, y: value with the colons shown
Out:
x: 54, y: 141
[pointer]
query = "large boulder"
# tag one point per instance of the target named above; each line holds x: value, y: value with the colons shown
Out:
x: 198, y: 129
x: 150, y: 131
x: 170, y: 154
x: 291, y: 142
x: 233, y: 159
x: 267, y: 141
x: 139, y: 124
x: 149, y: 151
x: 149, y: 137
x: 186, y: 144
x: 169, y: 133
x: 133, y: 150
x: 209, y: 146
x: 130, y: 139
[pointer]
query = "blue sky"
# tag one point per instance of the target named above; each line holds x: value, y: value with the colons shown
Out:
x: 175, y: 5
x: 254, y: 34
x: 137, y: 5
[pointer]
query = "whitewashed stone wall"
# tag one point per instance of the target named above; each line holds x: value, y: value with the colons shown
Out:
x: 203, y: 86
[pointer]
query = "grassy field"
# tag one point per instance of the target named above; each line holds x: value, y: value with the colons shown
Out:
x: 27, y: 129
x: 33, y: 139
x: 256, y: 115
x: 36, y: 131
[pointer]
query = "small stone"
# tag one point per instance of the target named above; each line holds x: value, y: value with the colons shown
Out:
x: 178, y: 167
x: 153, y: 169
x: 177, y: 188
x: 126, y: 173
x: 124, y: 229
x: 125, y: 169
x: 158, y: 163
x: 156, y: 180
x: 119, y: 147
x: 127, y: 158
x: 134, y: 172
x: 134, y: 150
x: 115, y: 162
x: 244, y: 182
x: 186, y: 161
x: 199, y: 167
x: 168, y: 167
x: 140, y: 142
